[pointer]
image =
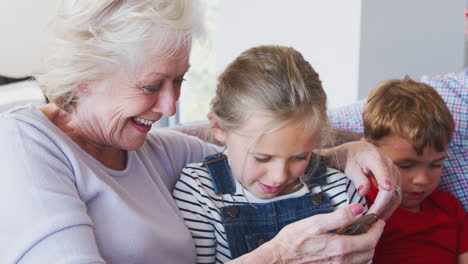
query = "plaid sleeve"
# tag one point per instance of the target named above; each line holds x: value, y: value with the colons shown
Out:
x: 453, y: 89
x: 348, y: 117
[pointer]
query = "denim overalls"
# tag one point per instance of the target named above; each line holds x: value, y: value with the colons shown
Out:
x: 247, y: 226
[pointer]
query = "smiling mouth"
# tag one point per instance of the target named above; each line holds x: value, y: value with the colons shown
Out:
x: 269, y: 189
x: 142, y: 122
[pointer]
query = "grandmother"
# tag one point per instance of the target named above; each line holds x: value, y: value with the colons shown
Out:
x: 86, y: 180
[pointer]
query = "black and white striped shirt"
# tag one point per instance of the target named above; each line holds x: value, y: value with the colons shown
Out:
x: 200, y: 206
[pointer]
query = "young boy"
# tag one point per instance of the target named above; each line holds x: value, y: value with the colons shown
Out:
x: 411, y: 124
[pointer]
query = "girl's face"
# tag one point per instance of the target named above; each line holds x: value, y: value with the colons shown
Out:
x: 269, y: 165
x: 119, y: 111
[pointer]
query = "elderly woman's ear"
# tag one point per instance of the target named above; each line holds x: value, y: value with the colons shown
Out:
x: 82, y: 89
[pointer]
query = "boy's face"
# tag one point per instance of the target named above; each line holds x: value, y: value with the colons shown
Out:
x: 420, y: 174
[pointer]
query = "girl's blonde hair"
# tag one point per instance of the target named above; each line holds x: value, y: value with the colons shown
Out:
x: 94, y: 38
x: 273, y: 80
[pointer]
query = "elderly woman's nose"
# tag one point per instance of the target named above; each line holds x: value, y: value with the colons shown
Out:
x: 166, y: 102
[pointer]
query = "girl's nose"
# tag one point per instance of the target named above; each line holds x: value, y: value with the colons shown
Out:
x: 279, y: 174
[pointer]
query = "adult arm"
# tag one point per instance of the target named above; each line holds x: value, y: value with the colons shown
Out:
x: 360, y: 159
x: 43, y: 218
x: 308, y: 241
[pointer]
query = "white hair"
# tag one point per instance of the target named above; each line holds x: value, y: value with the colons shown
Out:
x: 95, y: 37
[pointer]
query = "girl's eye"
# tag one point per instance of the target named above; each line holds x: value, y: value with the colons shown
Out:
x: 262, y: 159
x: 300, y: 157
x: 152, y: 88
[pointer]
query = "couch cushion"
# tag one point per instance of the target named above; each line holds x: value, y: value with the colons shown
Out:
x: 17, y: 93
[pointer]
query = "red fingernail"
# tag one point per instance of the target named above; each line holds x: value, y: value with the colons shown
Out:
x: 357, y: 209
x: 388, y: 184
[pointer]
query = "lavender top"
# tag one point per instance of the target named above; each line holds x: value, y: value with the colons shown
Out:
x: 60, y: 205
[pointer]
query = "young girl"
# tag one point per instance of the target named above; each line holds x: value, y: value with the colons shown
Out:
x: 270, y: 112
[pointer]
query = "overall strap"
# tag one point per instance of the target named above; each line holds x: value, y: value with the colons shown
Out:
x: 315, y: 171
x: 220, y: 173
x: 253, y: 224
x: 315, y: 174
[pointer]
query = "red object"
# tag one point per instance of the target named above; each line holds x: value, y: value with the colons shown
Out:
x: 436, y: 234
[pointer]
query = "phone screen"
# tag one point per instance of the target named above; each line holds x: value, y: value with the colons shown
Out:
x: 361, y: 225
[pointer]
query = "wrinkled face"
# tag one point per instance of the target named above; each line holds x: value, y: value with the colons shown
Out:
x: 420, y: 174
x: 269, y: 165
x: 119, y: 111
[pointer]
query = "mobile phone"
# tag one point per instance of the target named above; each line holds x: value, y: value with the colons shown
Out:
x: 361, y: 225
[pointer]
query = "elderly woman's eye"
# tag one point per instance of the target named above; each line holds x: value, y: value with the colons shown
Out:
x: 179, y: 81
x: 152, y: 88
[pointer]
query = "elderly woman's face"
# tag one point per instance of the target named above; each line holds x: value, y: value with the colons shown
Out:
x: 121, y: 110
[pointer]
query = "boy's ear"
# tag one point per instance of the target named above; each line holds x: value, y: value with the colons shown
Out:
x: 219, y: 132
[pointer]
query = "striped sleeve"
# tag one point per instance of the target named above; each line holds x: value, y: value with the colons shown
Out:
x: 192, y: 205
x: 353, y: 196
x: 341, y: 190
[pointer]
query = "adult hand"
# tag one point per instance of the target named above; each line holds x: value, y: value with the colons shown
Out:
x: 309, y: 241
x: 359, y: 160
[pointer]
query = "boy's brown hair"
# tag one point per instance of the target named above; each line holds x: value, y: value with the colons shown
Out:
x: 411, y: 110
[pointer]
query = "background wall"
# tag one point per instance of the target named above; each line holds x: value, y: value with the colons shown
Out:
x: 466, y: 34
x: 325, y: 32
x: 414, y: 37
x: 352, y: 44
x: 23, y: 34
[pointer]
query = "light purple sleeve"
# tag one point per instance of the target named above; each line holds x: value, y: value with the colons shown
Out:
x: 40, y: 206
x: 174, y: 150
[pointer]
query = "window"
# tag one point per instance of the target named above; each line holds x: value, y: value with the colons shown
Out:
x: 200, y: 83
